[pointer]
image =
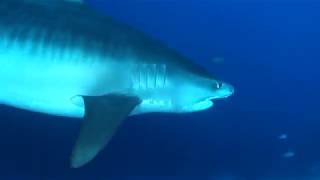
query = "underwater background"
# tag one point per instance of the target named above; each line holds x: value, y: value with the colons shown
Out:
x: 268, y: 130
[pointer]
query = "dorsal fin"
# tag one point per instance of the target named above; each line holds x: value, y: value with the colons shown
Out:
x: 75, y: 1
x: 53, y: 2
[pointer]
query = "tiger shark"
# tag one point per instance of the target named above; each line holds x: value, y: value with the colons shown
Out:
x: 61, y: 57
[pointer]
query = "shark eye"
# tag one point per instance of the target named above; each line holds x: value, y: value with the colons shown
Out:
x: 219, y: 85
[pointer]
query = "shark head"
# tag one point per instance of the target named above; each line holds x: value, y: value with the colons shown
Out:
x: 200, y: 93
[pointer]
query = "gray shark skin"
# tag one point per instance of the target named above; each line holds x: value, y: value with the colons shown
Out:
x: 63, y: 58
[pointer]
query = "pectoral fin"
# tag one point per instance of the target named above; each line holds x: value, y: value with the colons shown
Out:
x: 103, y: 116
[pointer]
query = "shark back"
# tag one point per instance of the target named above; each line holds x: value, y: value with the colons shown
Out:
x: 84, y: 26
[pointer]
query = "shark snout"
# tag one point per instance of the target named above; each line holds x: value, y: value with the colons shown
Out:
x: 223, y: 90
x: 228, y: 89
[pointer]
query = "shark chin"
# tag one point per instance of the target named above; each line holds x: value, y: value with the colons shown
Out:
x: 82, y: 64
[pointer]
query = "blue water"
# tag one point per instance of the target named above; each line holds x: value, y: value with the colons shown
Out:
x: 269, y: 50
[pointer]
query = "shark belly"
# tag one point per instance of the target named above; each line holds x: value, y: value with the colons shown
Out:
x: 41, y: 90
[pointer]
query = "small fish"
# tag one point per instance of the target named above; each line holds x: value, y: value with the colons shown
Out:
x: 283, y: 136
x: 218, y: 60
x: 288, y: 154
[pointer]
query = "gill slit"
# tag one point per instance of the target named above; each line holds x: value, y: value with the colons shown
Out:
x: 150, y: 76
